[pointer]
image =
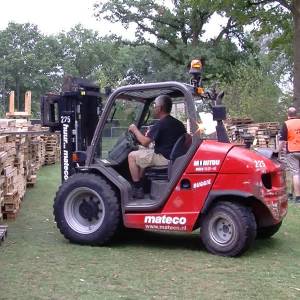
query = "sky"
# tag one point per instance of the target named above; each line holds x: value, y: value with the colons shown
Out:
x: 57, y: 15
x: 50, y: 16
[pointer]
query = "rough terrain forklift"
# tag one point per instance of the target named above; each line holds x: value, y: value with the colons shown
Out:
x: 231, y: 193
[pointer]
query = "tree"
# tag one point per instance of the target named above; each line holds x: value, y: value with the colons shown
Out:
x: 286, y: 20
x: 87, y: 55
x: 277, y: 19
x: 81, y: 51
x: 253, y: 92
x: 170, y: 30
x: 28, y: 61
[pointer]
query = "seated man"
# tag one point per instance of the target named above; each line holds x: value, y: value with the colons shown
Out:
x: 164, y: 134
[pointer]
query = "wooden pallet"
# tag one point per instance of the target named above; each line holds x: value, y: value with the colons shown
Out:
x: 10, y: 215
x: 22, y: 153
x: 239, y: 121
x: 50, y: 162
x: 12, y: 197
x: 31, y: 181
x: 264, y: 134
x: 11, y: 207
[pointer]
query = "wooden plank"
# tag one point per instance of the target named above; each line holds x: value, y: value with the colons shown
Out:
x: 11, y: 101
x: 11, y: 207
x: 28, y: 102
x: 10, y: 215
x: 11, y: 198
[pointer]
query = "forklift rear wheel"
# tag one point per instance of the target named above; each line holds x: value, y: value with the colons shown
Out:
x: 229, y: 229
x: 87, y: 210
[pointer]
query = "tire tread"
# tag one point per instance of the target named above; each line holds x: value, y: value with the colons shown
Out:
x: 247, y: 220
x: 107, y: 192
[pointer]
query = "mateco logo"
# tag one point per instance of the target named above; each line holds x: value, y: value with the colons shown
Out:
x: 165, y: 220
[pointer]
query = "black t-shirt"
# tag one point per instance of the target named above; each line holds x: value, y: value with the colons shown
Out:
x: 165, y: 133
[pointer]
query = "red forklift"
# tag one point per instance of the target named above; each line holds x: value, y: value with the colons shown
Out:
x: 231, y: 193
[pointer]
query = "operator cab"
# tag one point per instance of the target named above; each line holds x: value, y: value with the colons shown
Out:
x: 114, y: 142
x: 111, y: 144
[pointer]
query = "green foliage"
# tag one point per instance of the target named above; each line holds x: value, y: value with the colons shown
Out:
x: 28, y: 61
x: 32, y: 61
x: 268, y: 20
x: 253, y: 93
x: 85, y: 53
x: 171, y: 30
x: 167, y: 38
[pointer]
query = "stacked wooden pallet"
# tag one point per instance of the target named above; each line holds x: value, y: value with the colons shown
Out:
x: 258, y: 134
x: 239, y: 121
x: 266, y: 134
x: 22, y: 153
x: 52, y: 148
x: 36, y: 157
x: 3, y: 156
x: 9, y: 175
x: 236, y: 128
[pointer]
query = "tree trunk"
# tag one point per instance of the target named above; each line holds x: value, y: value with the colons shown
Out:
x: 3, y: 97
x: 296, y: 17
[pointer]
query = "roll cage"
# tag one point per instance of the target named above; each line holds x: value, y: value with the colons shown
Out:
x: 145, y: 93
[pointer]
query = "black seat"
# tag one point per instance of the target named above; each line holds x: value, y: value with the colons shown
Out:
x: 180, y: 148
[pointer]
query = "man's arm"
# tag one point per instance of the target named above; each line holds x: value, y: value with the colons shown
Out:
x: 281, y: 146
x: 143, y: 140
x: 282, y: 140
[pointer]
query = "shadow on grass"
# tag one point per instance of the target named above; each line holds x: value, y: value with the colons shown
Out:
x: 270, y: 243
x: 154, y: 239
x: 185, y: 241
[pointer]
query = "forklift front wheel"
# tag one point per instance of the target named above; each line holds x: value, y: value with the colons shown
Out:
x: 87, y: 210
x: 229, y: 229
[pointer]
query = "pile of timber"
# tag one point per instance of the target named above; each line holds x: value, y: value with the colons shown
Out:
x: 239, y: 121
x: 263, y: 135
x: 22, y: 153
x: 52, y: 148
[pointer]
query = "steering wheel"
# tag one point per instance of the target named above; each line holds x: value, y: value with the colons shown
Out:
x: 131, y: 139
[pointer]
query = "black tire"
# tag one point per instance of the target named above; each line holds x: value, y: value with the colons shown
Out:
x: 267, y: 232
x: 87, y: 210
x: 228, y: 229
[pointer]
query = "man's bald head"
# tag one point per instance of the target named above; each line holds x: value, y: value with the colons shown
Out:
x: 165, y: 102
x: 292, y: 112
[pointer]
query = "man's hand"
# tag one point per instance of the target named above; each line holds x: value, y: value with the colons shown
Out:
x: 132, y: 128
x: 143, y: 140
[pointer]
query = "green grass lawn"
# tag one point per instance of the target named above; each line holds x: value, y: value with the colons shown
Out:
x: 36, y: 262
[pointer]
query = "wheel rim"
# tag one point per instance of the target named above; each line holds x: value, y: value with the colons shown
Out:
x: 222, y: 230
x: 84, y: 210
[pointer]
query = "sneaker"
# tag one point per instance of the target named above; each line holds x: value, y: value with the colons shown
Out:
x: 138, y: 193
x: 297, y: 199
x: 291, y: 197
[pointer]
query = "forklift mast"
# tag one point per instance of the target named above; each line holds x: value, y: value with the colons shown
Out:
x: 75, y: 113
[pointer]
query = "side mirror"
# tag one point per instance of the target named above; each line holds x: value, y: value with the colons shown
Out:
x: 219, y: 112
x: 220, y: 97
